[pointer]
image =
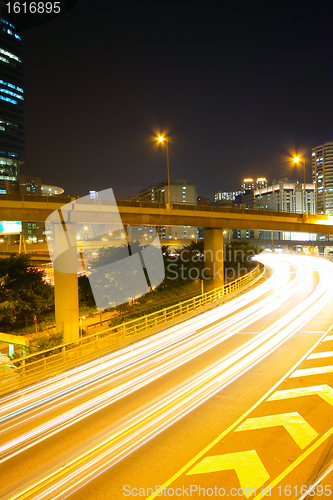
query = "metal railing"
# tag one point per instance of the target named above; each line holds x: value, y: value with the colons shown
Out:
x: 26, y: 370
x: 216, y: 209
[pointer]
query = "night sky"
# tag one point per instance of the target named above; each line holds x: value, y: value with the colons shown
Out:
x: 238, y: 86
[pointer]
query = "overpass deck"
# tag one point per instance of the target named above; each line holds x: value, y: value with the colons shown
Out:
x: 158, y: 214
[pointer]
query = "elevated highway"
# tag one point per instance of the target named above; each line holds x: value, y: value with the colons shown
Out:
x: 107, y: 211
x: 158, y: 214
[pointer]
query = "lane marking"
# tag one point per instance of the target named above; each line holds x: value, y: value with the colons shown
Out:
x: 318, y: 355
x: 240, y: 419
x: 247, y: 465
x: 299, y: 429
x: 306, y: 372
x: 324, y: 391
x: 328, y: 338
x: 297, y: 462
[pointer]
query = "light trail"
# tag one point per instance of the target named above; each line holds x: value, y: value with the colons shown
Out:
x: 143, y: 347
x: 146, y: 423
x: 96, y: 370
x: 170, y: 334
x: 168, y: 359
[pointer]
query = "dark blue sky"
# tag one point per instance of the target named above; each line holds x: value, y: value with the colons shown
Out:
x: 237, y: 85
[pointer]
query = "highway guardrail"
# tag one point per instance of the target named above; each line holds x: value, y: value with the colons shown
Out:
x: 43, y: 364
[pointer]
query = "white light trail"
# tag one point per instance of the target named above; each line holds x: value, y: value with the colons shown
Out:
x: 135, y: 369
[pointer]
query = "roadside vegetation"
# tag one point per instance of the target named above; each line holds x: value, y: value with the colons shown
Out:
x: 24, y: 294
x: 184, y: 276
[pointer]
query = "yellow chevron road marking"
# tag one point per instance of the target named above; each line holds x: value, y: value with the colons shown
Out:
x: 295, y: 464
x: 247, y: 465
x: 318, y: 370
x: 294, y: 423
x: 318, y: 355
x: 324, y: 391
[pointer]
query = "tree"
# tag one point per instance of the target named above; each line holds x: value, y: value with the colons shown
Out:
x: 116, y: 277
x: 238, y: 258
x: 85, y: 292
x: 23, y: 293
x: 184, y: 265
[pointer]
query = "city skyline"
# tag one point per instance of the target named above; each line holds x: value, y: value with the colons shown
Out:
x: 236, y: 90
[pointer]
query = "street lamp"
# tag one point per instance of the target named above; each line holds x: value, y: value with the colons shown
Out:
x: 202, y: 287
x: 298, y: 160
x: 165, y: 139
x: 81, y: 318
x: 227, y: 232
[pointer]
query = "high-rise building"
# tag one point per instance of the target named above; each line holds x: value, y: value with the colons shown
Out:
x: 226, y: 195
x: 180, y: 192
x: 12, y: 137
x: 322, y: 176
x: 250, y: 184
x: 261, y: 182
x: 245, y: 199
x: 12, y: 141
x: 286, y: 196
x: 247, y: 185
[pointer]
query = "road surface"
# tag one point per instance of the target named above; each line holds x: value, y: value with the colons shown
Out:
x: 201, y: 404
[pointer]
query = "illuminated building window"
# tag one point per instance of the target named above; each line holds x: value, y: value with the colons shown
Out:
x: 8, y: 153
x: 8, y: 99
x: 10, y: 55
x: 11, y: 85
x: 3, y: 59
x: 7, y: 23
x: 10, y: 32
x: 9, y: 92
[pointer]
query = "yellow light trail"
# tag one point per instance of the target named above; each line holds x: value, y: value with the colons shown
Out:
x: 165, y: 355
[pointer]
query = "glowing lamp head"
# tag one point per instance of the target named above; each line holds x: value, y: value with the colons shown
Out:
x: 296, y: 159
x: 160, y: 138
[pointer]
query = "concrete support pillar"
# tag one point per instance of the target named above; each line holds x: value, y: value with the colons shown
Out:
x: 66, y: 292
x: 213, y: 250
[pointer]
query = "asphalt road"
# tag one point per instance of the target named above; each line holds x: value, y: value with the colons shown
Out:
x: 166, y: 410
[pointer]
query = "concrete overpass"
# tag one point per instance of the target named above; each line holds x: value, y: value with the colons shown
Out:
x: 104, y: 211
x: 157, y: 214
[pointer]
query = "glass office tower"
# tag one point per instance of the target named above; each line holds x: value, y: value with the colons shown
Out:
x: 322, y: 176
x: 12, y: 141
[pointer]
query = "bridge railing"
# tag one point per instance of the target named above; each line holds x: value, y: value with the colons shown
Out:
x: 215, y: 209
x: 26, y: 370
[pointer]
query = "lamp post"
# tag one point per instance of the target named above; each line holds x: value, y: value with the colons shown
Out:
x: 227, y: 232
x: 165, y: 139
x: 202, y: 287
x: 81, y: 318
x: 298, y: 160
